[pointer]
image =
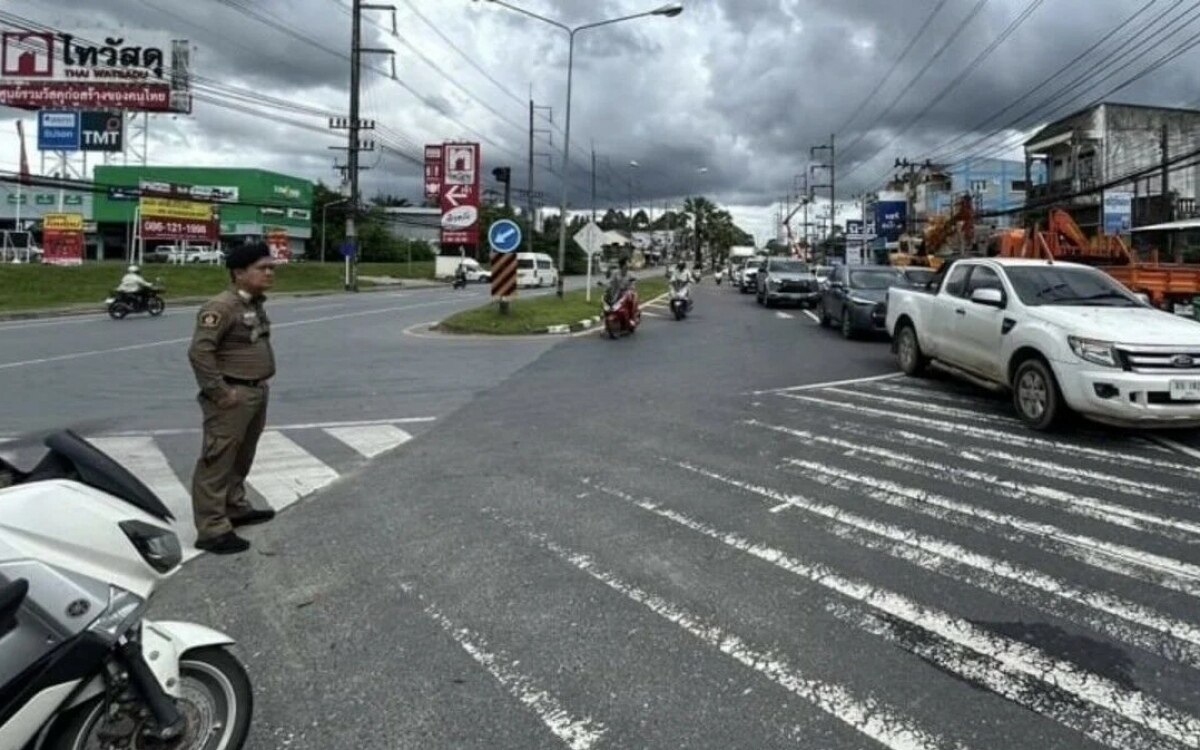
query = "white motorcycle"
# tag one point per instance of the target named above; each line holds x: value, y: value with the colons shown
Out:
x: 83, y: 546
x: 680, y: 296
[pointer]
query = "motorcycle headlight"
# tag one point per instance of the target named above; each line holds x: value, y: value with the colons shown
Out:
x: 123, y: 610
x: 1097, y: 352
x: 158, y: 547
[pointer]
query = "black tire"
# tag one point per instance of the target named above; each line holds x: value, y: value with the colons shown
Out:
x: 118, y: 310
x: 211, y: 672
x: 1036, y: 395
x: 908, y: 352
x: 610, y: 327
x: 823, y: 315
x: 679, y: 310
x: 155, y: 306
x: 847, y: 325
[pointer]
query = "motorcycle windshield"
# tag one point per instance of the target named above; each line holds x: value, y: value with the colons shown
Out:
x: 71, y: 457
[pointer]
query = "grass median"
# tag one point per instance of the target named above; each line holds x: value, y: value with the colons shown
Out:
x: 536, y: 314
x: 40, y: 287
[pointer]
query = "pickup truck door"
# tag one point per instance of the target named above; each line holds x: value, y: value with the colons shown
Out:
x: 944, y: 342
x: 979, y: 326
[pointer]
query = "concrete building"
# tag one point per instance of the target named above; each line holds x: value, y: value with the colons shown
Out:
x: 415, y: 223
x: 1109, y: 142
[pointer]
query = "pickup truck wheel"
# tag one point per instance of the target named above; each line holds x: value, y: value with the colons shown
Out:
x: 908, y: 352
x: 847, y: 325
x: 1036, y: 395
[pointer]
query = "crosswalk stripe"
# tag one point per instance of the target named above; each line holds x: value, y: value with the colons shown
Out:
x: 1014, y: 659
x: 145, y: 460
x: 917, y: 547
x: 923, y: 406
x: 284, y: 472
x: 867, y: 715
x: 371, y: 440
x: 1163, y: 571
x: 1007, y: 438
x: 935, y: 395
x: 1034, y: 494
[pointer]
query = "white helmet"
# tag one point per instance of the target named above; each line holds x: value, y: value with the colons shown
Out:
x: 133, y: 269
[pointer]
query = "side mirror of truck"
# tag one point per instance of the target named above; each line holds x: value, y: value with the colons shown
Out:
x: 989, y: 297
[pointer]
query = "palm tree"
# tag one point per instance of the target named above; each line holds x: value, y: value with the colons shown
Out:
x: 700, y: 210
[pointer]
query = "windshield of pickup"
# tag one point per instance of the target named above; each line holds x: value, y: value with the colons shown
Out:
x: 876, y: 279
x: 788, y: 266
x: 1062, y: 285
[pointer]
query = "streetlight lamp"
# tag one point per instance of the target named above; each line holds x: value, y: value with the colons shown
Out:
x: 670, y: 10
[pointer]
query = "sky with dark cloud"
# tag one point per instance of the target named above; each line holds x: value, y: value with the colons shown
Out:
x: 726, y: 99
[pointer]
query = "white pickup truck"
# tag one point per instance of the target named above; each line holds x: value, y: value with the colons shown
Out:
x: 1059, y: 336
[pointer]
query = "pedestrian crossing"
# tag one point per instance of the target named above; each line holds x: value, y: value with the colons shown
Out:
x: 293, y: 461
x: 928, y: 522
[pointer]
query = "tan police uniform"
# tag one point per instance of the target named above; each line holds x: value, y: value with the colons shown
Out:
x: 230, y: 351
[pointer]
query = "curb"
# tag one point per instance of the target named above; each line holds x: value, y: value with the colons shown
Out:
x: 589, y: 323
x: 72, y: 312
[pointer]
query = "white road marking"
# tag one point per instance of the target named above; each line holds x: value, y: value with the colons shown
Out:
x: 143, y: 458
x: 1160, y: 570
x: 1177, y: 446
x: 935, y: 395
x: 577, y: 733
x: 371, y: 440
x: 1014, y: 659
x: 813, y: 315
x: 819, y: 386
x: 866, y: 715
x: 946, y: 411
x: 1009, y: 438
x: 784, y: 316
x: 935, y: 554
x: 1034, y: 494
x: 296, y: 426
x: 169, y: 342
x: 284, y: 472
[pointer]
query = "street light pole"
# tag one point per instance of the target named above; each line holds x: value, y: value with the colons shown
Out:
x: 669, y: 11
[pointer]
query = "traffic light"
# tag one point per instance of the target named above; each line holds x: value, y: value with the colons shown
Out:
x: 502, y: 174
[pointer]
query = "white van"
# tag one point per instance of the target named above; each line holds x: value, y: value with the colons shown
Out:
x: 536, y: 269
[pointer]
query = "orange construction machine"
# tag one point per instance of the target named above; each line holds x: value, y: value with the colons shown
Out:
x: 938, y: 232
x: 1062, y: 239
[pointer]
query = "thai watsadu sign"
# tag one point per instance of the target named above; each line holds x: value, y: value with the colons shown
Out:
x: 138, y: 71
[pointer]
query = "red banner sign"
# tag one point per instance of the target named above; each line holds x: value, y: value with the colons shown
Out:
x: 139, y: 97
x: 460, y: 194
x: 433, y: 173
x: 185, y: 230
x: 281, y: 249
x: 62, y: 248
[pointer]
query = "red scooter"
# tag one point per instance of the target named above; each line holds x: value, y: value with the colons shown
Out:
x: 624, y: 315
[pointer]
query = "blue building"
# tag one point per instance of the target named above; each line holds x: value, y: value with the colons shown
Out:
x: 996, y: 184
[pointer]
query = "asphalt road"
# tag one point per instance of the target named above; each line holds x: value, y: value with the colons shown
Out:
x: 688, y: 538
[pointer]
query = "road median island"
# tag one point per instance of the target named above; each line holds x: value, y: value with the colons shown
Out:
x: 36, y: 289
x: 545, y: 314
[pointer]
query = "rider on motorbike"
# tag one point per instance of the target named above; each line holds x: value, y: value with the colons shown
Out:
x: 460, y: 276
x: 619, y: 282
x: 133, y: 284
x: 681, y: 278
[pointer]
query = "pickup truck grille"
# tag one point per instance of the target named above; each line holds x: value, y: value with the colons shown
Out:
x: 795, y: 286
x: 1166, y: 360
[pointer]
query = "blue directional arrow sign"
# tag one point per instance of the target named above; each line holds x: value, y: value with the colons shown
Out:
x: 349, y: 249
x: 504, y: 236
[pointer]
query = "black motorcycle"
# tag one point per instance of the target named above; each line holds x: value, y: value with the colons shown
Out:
x: 150, y: 301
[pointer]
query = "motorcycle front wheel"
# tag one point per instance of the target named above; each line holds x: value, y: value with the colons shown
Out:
x: 612, y: 327
x: 118, y: 310
x: 156, y: 306
x: 216, y: 700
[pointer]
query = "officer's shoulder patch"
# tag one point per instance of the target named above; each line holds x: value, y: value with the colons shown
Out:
x: 210, y: 319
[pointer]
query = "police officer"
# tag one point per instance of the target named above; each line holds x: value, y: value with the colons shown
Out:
x: 232, y: 359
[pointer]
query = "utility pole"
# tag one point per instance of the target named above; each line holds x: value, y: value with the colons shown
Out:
x: 533, y: 154
x: 353, y: 144
x: 593, y: 181
x: 1168, y: 210
x: 910, y: 191
x: 831, y: 147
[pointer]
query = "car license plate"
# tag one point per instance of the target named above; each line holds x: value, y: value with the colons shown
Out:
x: 1185, y: 390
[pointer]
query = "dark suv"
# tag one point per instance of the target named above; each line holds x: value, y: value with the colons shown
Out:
x: 856, y: 298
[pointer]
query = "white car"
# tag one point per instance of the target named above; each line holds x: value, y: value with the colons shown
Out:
x: 203, y: 254
x: 1059, y: 336
x: 536, y: 270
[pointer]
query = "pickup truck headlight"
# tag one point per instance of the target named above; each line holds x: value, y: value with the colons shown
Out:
x: 861, y: 301
x: 774, y: 283
x: 1097, y: 352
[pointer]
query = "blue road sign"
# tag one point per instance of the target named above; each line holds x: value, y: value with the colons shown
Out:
x: 504, y: 236
x: 349, y: 249
x: 58, y: 130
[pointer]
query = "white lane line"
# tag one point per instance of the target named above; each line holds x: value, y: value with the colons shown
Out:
x: 169, y: 342
x: 144, y: 459
x: 931, y: 394
x: 945, y: 411
x: 284, y: 472
x: 819, y: 386
x: 1177, y: 446
x: 1007, y: 438
x: 296, y: 426
x: 934, y: 554
x: 1029, y: 465
x: 1022, y: 689
x: 867, y: 715
x: 575, y: 732
x: 813, y: 315
x: 1160, y: 570
x: 1013, y: 658
x: 1033, y: 494
x: 784, y: 316
x: 371, y: 440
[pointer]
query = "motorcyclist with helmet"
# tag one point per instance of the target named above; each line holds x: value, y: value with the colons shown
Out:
x: 134, y: 285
